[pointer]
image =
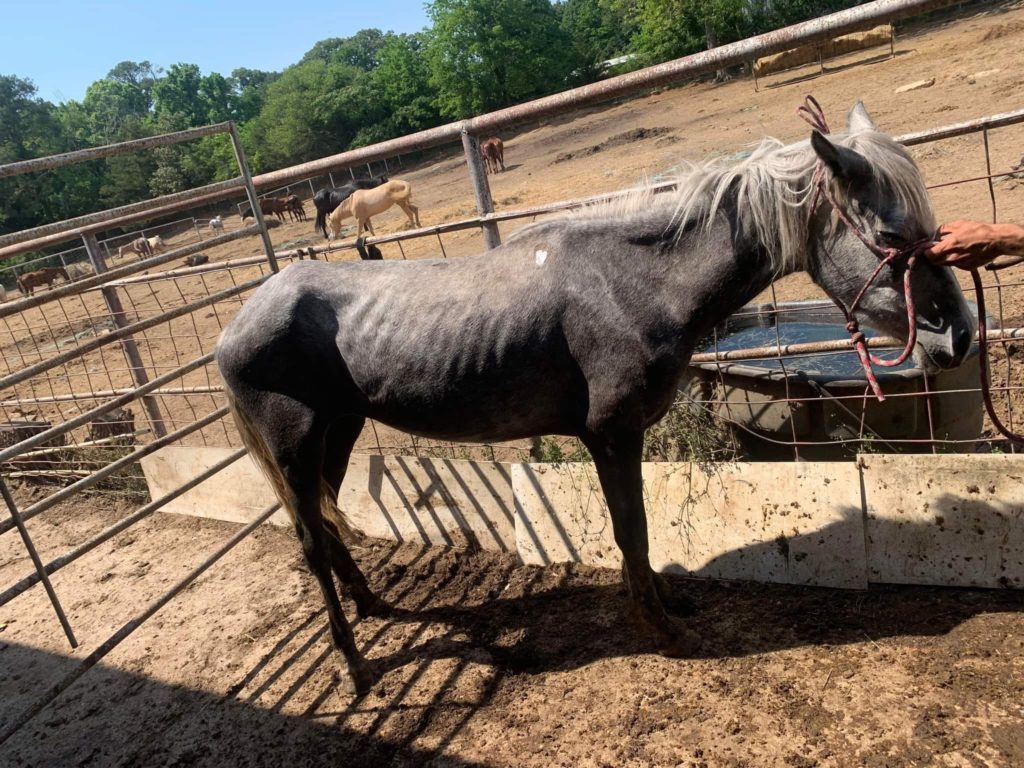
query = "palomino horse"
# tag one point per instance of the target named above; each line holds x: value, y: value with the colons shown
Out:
x: 581, y: 326
x: 364, y: 203
x: 493, y: 151
x: 30, y: 280
x: 326, y: 200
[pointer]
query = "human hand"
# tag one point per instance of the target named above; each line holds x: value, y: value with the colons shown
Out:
x: 972, y: 244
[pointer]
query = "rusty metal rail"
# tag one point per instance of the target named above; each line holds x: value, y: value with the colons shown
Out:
x: 108, y: 150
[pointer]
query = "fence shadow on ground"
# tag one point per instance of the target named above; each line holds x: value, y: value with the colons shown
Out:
x: 115, y: 718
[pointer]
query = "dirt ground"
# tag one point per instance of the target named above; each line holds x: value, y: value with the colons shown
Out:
x: 498, y: 664
x: 494, y: 665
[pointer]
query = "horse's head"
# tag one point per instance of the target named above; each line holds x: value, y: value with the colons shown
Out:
x: 881, y: 192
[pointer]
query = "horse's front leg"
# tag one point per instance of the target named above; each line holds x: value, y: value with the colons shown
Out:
x: 618, y: 461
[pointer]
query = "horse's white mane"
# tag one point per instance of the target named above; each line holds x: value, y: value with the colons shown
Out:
x: 774, y: 192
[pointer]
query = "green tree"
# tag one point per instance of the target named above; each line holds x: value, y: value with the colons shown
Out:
x: 313, y: 109
x: 486, y: 54
x: 401, y: 82
x: 599, y: 29
x: 28, y: 128
x: 249, y: 89
x: 179, y: 92
x: 360, y: 50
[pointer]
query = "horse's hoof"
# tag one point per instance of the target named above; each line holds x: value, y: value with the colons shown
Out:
x: 374, y: 606
x: 357, y: 679
x: 680, y: 643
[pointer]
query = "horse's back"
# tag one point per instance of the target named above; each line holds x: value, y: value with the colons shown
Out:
x: 443, y: 348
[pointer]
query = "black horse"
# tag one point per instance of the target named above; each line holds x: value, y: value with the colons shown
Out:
x: 326, y: 200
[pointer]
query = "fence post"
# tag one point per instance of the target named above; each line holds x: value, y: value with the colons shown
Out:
x: 312, y: 192
x: 131, y: 349
x: 254, y: 202
x: 330, y: 177
x: 351, y: 172
x: 478, y: 177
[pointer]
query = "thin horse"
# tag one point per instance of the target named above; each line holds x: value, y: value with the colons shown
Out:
x: 326, y: 200
x: 581, y: 326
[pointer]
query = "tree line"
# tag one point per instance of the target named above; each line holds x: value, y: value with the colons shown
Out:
x: 476, y: 56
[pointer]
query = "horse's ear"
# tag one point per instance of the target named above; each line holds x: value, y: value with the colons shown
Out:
x: 844, y: 162
x: 859, y: 120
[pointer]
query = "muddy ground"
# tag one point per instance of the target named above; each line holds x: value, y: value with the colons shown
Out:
x: 497, y: 664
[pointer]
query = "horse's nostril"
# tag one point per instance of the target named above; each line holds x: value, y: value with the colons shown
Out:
x: 962, y: 341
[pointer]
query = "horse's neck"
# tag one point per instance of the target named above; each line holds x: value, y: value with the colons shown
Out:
x: 715, y: 272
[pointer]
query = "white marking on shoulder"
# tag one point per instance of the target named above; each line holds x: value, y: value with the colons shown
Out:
x: 541, y: 257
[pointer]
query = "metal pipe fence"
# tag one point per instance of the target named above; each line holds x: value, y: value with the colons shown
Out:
x: 67, y: 355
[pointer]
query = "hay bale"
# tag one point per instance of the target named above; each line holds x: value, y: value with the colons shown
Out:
x: 13, y: 432
x: 808, y: 54
x: 778, y: 62
x: 120, y: 421
x: 858, y: 41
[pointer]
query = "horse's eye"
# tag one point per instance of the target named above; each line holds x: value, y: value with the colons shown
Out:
x: 887, y: 237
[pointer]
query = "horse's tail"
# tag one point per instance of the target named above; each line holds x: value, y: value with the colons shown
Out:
x: 321, y: 200
x: 264, y: 460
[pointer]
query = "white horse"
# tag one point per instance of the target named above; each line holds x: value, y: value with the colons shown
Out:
x: 216, y: 224
x: 364, y: 203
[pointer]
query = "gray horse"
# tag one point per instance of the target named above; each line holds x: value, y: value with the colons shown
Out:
x: 581, y: 326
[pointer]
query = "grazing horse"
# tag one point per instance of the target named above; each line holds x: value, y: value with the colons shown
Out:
x: 275, y: 205
x: 296, y: 208
x: 368, y: 252
x: 364, y: 203
x: 28, y: 281
x: 581, y: 326
x: 326, y: 200
x: 216, y: 224
x: 139, y: 245
x: 493, y: 151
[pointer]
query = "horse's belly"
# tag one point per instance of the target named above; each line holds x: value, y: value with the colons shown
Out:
x: 504, y: 403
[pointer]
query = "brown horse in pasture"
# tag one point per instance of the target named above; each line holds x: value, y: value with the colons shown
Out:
x: 275, y: 205
x: 493, y: 151
x: 296, y: 208
x: 30, y: 280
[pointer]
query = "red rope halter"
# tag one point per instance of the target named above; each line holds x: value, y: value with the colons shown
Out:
x: 811, y: 113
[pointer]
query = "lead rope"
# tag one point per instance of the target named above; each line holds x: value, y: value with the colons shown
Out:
x: 812, y: 113
x: 986, y: 392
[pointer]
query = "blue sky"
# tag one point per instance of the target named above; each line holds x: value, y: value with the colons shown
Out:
x: 63, y: 46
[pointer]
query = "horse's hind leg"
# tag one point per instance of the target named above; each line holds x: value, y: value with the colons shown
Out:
x: 411, y: 211
x: 617, y: 458
x: 301, y: 460
x: 341, y: 437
